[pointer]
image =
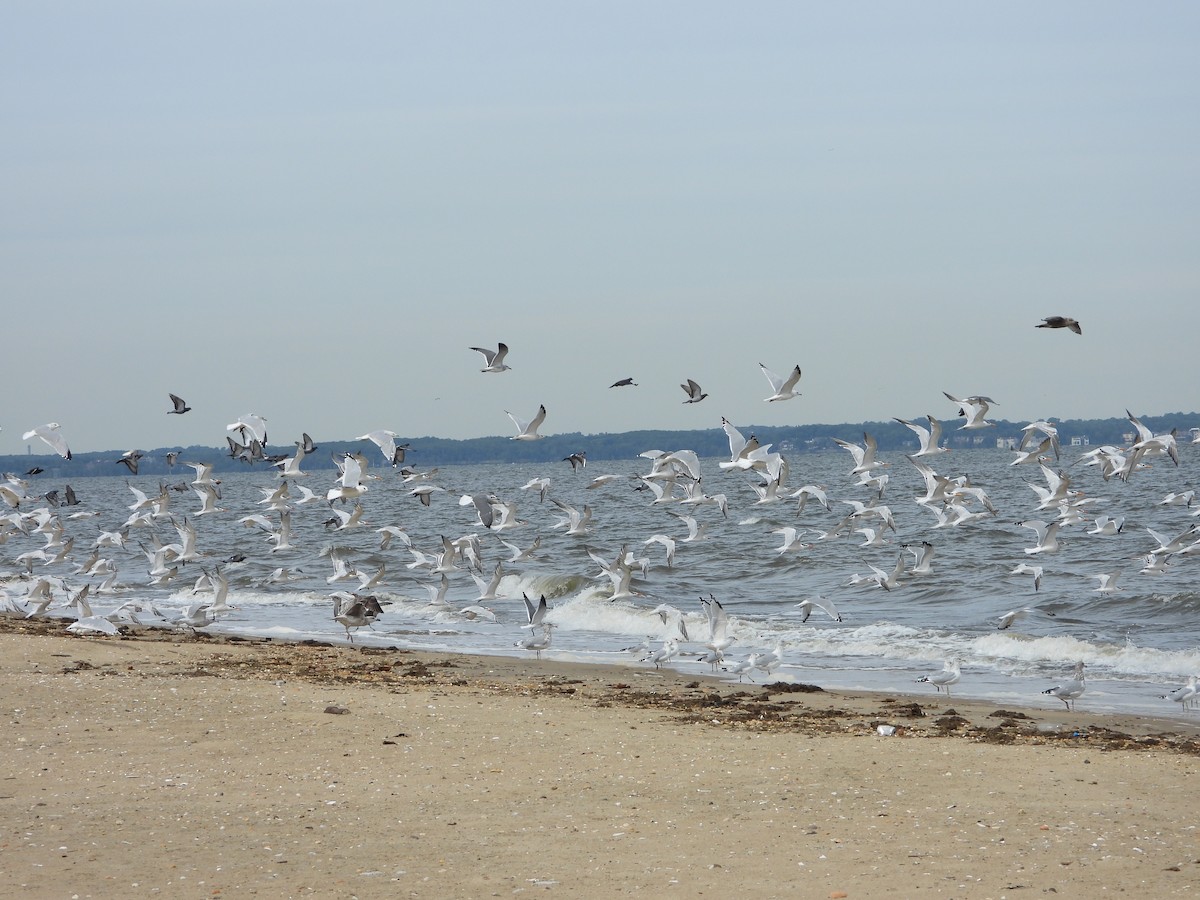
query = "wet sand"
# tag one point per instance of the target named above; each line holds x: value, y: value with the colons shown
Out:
x: 168, y: 764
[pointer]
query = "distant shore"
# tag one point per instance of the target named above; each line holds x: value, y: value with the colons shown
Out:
x: 189, y: 766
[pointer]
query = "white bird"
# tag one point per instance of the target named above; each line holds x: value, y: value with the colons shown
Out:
x: 973, y: 409
x: 1107, y: 526
x: 1006, y: 620
x: 1070, y: 690
x: 52, y: 435
x: 386, y: 442
x: 495, y: 358
x: 930, y: 438
x: 1026, y: 569
x: 949, y: 675
x: 663, y: 654
x: 791, y: 540
x: 1108, y: 582
x: 744, y: 668
x: 1047, y: 536
x: 668, y: 543
x: 811, y: 603
x: 922, y: 558
x: 536, y: 613
x: 781, y: 389
x: 864, y: 456
x: 528, y: 431
x: 256, y: 425
x: 1186, y: 695
x: 538, y: 642
x: 694, y: 392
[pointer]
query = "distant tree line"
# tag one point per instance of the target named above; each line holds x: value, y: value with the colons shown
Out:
x: 427, y: 452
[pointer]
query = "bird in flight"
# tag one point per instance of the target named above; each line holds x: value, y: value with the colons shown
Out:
x: 624, y: 382
x: 1061, y: 322
x: 694, y: 392
x: 495, y: 358
x: 180, y: 406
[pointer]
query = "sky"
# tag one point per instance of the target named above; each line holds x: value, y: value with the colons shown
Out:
x: 312, y: 211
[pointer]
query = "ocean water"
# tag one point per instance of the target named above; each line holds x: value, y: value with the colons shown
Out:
x: 1137, y: 643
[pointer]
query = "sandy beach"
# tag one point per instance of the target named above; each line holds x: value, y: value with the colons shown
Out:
x: 168, y: 764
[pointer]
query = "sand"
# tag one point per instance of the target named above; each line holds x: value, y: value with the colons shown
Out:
x: 186, y: 766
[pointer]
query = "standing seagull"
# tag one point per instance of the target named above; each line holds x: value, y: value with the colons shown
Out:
x: 495, y: 358
x: 781, y: 389
x: 527, y: 431
x: 51, y: 435
x: 1061, y: 322
x: 1070, y: 690
x: 694, y: 391
x: 180, y: 406
x: 949, y: 675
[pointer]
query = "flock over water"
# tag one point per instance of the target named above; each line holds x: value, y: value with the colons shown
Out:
x: 1045, y: 575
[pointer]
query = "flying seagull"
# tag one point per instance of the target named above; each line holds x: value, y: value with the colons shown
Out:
x: 624, y: 382
x: 781, y: 388
x: 180, y: 406
x: 495, y: 358
x: 51, y: 435
x: 694, y: 392
x: 1061, y: 322
x: 527, y: 431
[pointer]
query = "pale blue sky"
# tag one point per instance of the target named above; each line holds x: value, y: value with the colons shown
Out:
x: 310, y: 211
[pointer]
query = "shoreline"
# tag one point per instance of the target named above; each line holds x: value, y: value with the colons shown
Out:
x: 165, y: 763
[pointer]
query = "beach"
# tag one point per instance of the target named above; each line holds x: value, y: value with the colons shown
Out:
x: 165, y: 763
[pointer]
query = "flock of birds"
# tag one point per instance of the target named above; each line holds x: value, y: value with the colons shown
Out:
x: 673, y: 478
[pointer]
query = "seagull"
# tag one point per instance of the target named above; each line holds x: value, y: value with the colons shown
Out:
x: 1061, y: 322
x: 1069, y: 691
x: 386, y: 442
x: 694, y: 391
x: 180, y: 406
x: 624, y: 382
x: 949, y: 675
x: 256, y: 425
x: 535, y: 612
x: 1187, y: 694
x: 495, y: 358
x: 527, y: 431
x: 51, y: 434
x: 1026, y: 569
x: 930, y: 437
x: 664, y: 653
x: 537, y: 642
x: 1005, y: 621
x: 922, y: 558
x: 781, y: 389
x: 354, y: 611
x: 811, y: 603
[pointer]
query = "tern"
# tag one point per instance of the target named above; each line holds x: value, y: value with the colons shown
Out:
x: 973, y: 409
x: 1061, y: 322
x: 781, y: 389
x: 528, y: 431
x: 495, y: 358
x: 930, y: 437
